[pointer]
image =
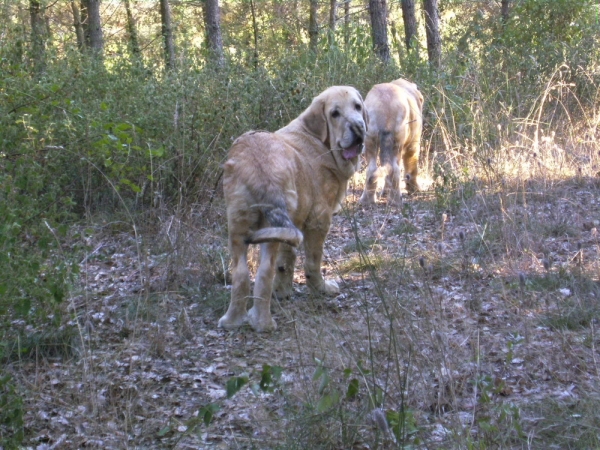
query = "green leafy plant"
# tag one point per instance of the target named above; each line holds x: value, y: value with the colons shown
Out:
x: 11, y: 414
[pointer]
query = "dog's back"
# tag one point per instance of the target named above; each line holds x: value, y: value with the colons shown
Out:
x: 255, y: 177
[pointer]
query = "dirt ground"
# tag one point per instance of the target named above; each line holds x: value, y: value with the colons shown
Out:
x: 472, y: 313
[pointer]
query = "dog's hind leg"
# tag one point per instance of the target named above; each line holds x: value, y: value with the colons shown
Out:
x: 240, y: 290
x: 394, y: 193
x: 410, y: 157
x: 259, y: 315
x: 389, y: 165
x: 284, y: 275
x: 371, y: 180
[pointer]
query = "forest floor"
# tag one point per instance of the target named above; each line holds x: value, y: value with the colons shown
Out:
x: 464, y: 317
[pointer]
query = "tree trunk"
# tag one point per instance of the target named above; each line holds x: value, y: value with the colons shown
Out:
x: 167, y: 32
x: 378, y: 12
x: 212, y: 23
x: 505, y: 11
x: 410, y: 22
x: 333, y: 5
x: 255, y: 33
x: 84, y: 22
x: 346, y: 23
x: 38, y: 36
x: 134, y: 43
x: 332, y: 20
x: 94, y: 28
x: 432, y: 29
x: 313, y: 25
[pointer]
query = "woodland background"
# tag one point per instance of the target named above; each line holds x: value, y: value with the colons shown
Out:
x: 469, y: 314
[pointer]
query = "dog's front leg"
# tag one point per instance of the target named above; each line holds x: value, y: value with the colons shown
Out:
x: 240, y: 286
x: 259, y: 315
x: 284, y: 276
x: 313, y: 247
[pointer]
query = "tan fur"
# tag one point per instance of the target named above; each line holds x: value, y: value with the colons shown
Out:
x: 395, y: 110
x: 281, y: 189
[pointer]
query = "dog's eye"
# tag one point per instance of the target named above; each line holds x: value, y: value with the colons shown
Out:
x: 335, y: 114
x: 358, y: 107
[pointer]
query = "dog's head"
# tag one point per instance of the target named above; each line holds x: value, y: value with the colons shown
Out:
x: 338, y: 118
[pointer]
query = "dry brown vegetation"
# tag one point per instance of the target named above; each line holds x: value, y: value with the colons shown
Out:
x: 467, y: 319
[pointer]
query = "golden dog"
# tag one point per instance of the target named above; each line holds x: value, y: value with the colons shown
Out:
x: 281, y: 189
x: 395, y: 111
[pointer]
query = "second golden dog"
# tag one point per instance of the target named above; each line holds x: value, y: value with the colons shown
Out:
x: 395, y: 111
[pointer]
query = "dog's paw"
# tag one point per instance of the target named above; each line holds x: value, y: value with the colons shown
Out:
x: 367, y: 199
x: 261, y: 322
x: 331, y: 287
x: 283, y: 293
x: 231, y: 323
x: 395, y: 199
x: 283, y: 287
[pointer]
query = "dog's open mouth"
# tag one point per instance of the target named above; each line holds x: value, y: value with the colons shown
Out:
x: 351, y: 152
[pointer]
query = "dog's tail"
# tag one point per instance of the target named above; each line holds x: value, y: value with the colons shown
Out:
x: 282, y: 228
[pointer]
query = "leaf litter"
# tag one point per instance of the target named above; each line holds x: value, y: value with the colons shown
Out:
x: 479, y: 299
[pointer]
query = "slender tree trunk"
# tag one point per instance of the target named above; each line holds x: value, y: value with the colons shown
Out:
x: 167, y: 32
x: 79, y: 33
x: 255, y: 32
x: 378, y: 12
x: 38, y: 36
x: 432, y: 29
x: 47, y: 29
x: 96, y: 40
x: 85, y: 24
x: 134, y: 43
x: 333, y: 5
x: 505, y: 11
x: 298, y: 24
x: 313, y: 25
x: 332, y: 20
x: 346, y: 23
x: 212, y: 23
x: 410, y: 22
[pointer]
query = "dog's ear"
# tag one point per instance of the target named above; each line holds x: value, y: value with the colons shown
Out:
x: 315, y: 120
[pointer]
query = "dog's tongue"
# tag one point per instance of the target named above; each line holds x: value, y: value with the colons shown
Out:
x: 351, y: 152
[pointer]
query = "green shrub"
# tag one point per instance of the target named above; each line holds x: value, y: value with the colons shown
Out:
x: 11, y: 414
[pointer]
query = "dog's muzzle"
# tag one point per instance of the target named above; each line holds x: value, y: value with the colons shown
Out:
x: 356, y: 146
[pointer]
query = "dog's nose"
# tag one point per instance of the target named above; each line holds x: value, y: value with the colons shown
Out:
x: 358, y: 129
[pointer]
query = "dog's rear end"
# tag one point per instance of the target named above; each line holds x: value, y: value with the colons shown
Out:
x: 257, y: 213
x: 255, y: 194
x: 395, y: 111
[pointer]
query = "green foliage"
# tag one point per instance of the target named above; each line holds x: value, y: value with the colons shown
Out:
x: 269, y: 378
x: 544, y: 33
x: 52, y: 342
x: 235, y: 384
x: 11, y: 414
x: 403, y: 424
x: 206, y: 413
